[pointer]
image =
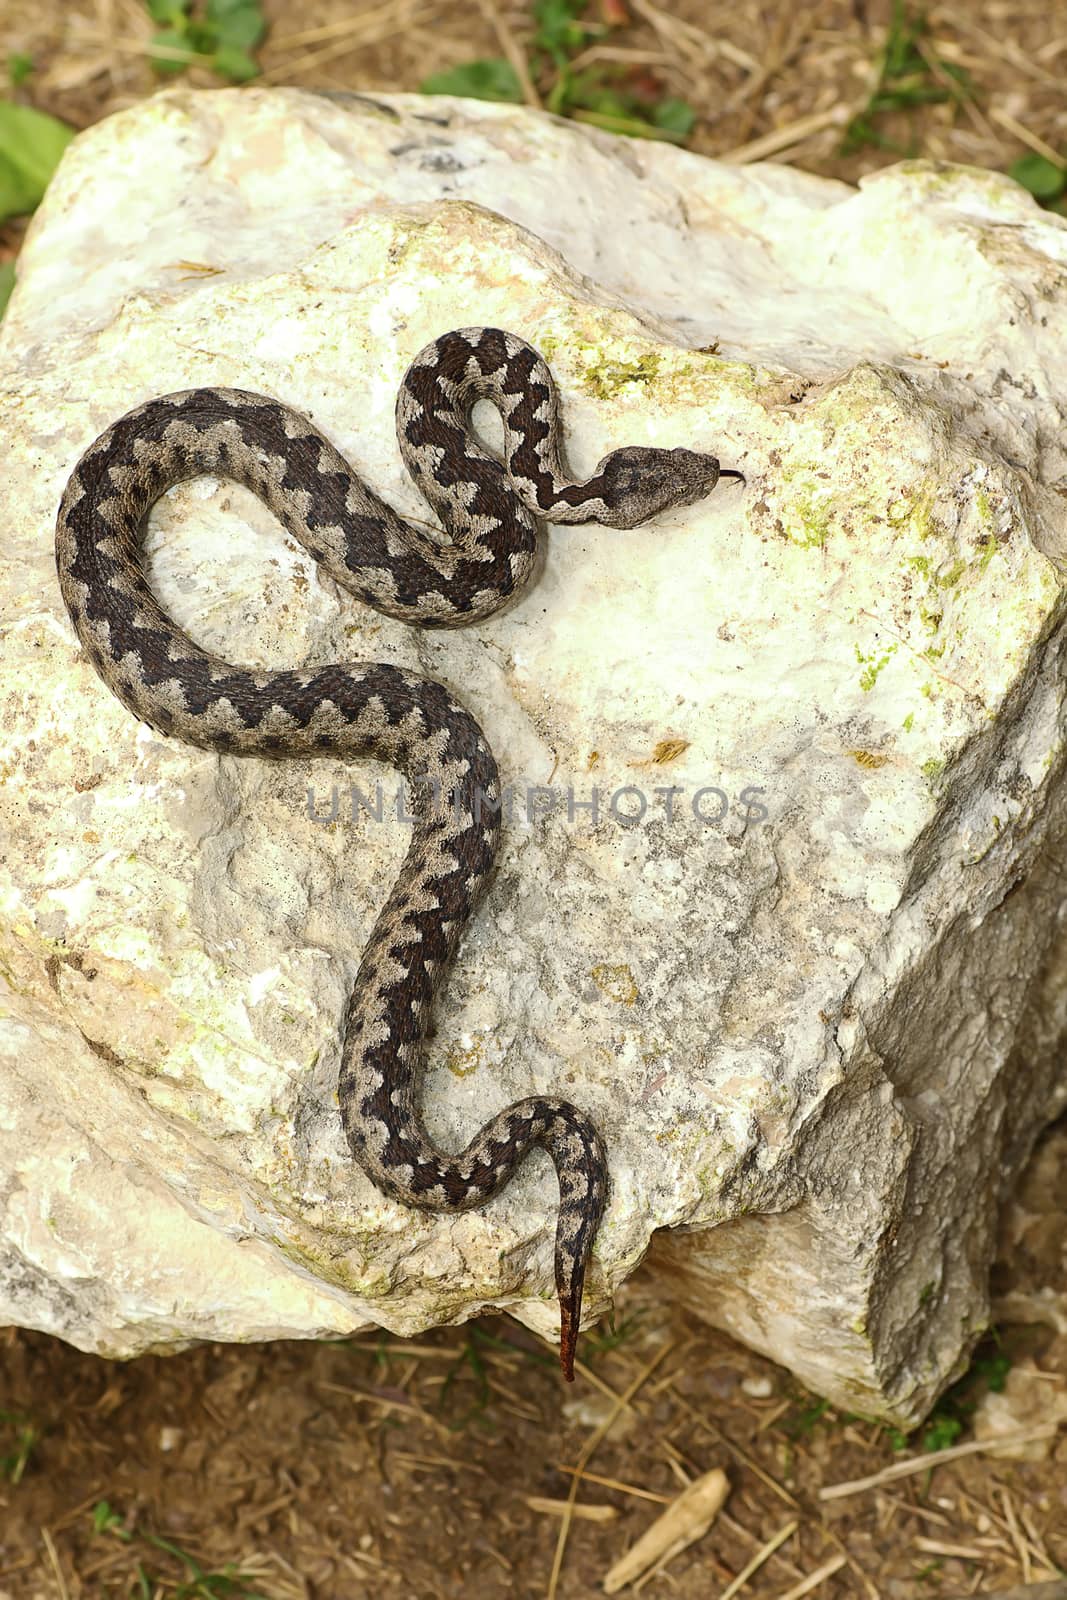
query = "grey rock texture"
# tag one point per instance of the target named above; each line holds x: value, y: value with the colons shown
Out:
x: 780, y: 896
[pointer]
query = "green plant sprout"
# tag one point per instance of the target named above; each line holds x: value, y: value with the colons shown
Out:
x: 19, y: 67
x: 13, y: 1461
x: 228, y: 1584
x: 1046, y: 180
x: 608, y: 96
x: 220, y: 34
x: 908, y: 76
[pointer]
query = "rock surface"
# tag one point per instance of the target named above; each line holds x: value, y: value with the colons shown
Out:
x: 819, y: 1030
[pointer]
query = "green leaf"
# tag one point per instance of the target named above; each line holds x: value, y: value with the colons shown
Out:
x: 558, y: 30
x: 7, y: 283
x: 960, y: 74
x: 168, y: 13
x: 201, y: 37
x: 171, y: 39
x: 904, y: 30
x: 236, y: 65
x: 31, y: 143
x: 561, y: 94
x: 19, y: 67
x: 107, y: 1521
x: 1044, y: 179
x: 675, y: 116
x: 239, y: 24
x: 607, y: 101
x: 479, y: 80
x: 941, y: 1432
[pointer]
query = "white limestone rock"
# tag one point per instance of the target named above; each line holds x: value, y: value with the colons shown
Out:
x: 823, y: 1039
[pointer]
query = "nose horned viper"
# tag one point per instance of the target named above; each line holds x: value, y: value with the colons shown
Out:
x: 489, y: 510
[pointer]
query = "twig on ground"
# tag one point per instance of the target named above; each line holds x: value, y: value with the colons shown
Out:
x: 513, y: 51
x: 1057, y: 1590
x: 616, y: 1483
x: 779, y: 139
x: 563, y: 1508
x: 762, y: 1554
x: 1024, y: 136
x: 741, y: 1454
x: 586, y: 1453
x: 813, y: 1580
x: 934, y: 1458
x: 53, y: 1561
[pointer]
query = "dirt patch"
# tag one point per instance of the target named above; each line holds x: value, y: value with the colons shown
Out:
x: 371, y: 1467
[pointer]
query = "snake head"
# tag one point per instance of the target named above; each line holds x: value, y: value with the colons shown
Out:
x: 639, y: 482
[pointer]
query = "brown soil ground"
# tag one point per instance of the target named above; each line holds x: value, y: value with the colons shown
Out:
x: 438, y: 1469
x: 423, y: 1469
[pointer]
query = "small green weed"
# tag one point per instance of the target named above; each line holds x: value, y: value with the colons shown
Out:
x: 953, y: 1413
x: 220, y: 34
x: 942, y: 1428
x: 107, y: 1521
x: 20, y: 1432
x: 471, y: 1362
x: 19, y: 67
x: 228, y: 1584
x: 468, y: 1360
x: 803, y: 1423
x: 941, y: 1432
x: 908, y: 76
x: 538, y: 1357
x: 609, y: 96
x: 600, y: 1341
x: 1045, y: 179
x: 477, y: 80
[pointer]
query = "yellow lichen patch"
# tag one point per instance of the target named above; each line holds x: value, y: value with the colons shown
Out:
x: 462, y: 1060
x: 669, y: 750
x: 868, y: 759
x: 616, y: 982
x: 666, y: 751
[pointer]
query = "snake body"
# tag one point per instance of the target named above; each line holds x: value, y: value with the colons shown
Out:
x: 489, y: 510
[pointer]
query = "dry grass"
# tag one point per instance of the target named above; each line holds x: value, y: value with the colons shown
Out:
x: 775, y: 79
x: 456, y: 1465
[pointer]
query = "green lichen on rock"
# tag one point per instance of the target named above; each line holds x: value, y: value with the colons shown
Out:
x: 873, y: 664
x: 604, y: 380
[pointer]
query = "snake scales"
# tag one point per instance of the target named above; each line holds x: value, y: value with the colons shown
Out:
x: 489, y: 510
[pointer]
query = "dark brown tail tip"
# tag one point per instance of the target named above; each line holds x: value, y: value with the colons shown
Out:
x: 568, y: 1335
x: 570, y: 1320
